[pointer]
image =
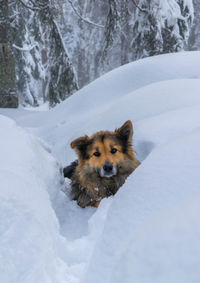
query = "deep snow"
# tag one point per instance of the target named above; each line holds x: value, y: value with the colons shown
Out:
x: 29, y: 229
x: 149, y: 231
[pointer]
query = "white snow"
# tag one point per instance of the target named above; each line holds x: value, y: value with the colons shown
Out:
x: 149, y: 231
x: 29, y: 229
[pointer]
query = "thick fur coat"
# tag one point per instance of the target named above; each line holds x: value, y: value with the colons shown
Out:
x: 105, y: 160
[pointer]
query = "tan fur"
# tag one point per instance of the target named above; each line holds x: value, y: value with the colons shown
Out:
x: 88, y: 187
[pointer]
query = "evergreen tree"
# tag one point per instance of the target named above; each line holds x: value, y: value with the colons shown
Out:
x: 118, y: 34
x: 161, y: 26
x: 83, y: 35
x: 27, y: 42
x: 44, y: 71
x: 112, y: 24
x: 194, y: 39
x: 60, y: 77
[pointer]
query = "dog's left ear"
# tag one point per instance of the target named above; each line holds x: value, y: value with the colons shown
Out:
x: 80, y: 146
x: 125, y: 132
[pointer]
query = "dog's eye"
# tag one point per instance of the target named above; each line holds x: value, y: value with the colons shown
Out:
x: 97, y: 154
x: 113, y: 150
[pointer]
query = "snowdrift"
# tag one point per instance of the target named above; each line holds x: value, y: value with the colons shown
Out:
x: 29, y: 231
x: 149, y: 231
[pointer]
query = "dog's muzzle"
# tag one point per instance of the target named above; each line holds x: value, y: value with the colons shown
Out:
x: 108, y: 170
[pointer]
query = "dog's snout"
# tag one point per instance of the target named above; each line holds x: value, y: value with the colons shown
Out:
x: 108, y: 170
x: 108, y: 167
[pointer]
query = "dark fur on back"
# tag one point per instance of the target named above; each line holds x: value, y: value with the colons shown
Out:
x: 88, y: 186
x: 69, y: 170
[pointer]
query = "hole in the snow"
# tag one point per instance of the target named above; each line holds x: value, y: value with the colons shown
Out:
x: 143, y: 149
x: 73, y: 219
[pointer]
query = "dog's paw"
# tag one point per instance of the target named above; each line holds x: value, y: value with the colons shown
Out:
x: 84, y: 200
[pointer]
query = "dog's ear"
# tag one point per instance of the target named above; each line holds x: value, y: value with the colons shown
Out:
x: 80, y: 146
x: 125, y: 132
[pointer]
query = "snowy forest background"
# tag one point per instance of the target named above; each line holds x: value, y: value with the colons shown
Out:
x: 60, y: 46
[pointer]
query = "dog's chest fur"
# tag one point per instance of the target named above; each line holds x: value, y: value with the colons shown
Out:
x: 88, y: 190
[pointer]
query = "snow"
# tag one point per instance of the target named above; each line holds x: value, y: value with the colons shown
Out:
x: 29, y: 229
x: 155, y: 218
x: 149, y: 231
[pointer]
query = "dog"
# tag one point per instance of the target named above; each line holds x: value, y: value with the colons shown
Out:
x: 105, y: 160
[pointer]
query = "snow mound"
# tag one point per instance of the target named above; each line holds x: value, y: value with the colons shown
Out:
x: 29, y: 230
x: 151, y: 233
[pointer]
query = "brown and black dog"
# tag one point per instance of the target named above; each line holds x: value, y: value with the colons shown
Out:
x: 105, y: 160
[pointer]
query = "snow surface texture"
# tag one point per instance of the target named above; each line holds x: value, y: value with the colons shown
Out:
x: 149, y: 231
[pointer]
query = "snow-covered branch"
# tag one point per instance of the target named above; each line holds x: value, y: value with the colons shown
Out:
x: 83, y: 19
x: 137, y: 6
x: 26, y: 49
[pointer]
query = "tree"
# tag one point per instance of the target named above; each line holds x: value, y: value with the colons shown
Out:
x: 118, y: 32
x: 82, y: 32
x: 44, y: 71
x: 161, y: 26
x: 60, y: 75
x: 194, y: 39
x: 8, y: 96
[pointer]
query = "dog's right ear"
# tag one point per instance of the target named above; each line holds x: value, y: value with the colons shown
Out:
x: 80, y: 146
x: 125, y: 132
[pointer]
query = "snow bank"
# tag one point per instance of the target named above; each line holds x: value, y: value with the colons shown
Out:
x: 29, y: 230
x: 141, y: 106
x: 151, y: 233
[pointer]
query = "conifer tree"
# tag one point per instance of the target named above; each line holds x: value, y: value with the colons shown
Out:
x: 161, y: 26
x: 43, y: 68
x: 194, y: 39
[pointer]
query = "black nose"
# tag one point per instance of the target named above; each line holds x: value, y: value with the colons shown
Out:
x: 108, y: 168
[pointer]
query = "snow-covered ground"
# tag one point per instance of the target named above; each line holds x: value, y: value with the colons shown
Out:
x: 149, y: 231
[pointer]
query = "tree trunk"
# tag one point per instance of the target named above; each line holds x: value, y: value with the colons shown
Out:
x: 8, y: 97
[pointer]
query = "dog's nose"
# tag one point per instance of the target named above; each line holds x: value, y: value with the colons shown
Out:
x: 108, y: 167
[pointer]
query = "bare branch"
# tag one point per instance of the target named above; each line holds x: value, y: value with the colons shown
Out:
x: 33, y: 8
x: 29, y: 7
x: 137, y: 6
x: 42, y: 6
x: 83, y: 19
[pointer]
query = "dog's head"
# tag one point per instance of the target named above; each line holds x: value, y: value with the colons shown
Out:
x: 106, y: 153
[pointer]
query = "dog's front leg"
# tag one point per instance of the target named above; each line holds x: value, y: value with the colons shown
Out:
x: 95, y: 204
x: 84, y: 199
